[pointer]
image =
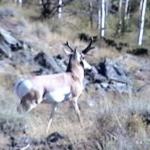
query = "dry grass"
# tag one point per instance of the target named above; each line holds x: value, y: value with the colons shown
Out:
x: 112, y: 119
x: 65, y: 122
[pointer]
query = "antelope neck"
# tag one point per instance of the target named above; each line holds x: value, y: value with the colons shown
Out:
x: 78, y: 72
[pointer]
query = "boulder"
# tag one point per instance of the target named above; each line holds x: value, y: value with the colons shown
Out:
x: 111, y: 76
x: 48, y: 62
x: 8, y: 43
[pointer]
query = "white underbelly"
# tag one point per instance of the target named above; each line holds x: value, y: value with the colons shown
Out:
x: 58, y: 95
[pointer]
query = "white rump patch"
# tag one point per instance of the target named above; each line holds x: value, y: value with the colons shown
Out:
x: 58, y: 95
x: 22, y: 87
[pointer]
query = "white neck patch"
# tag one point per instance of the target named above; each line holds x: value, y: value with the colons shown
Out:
x: 86, y: 65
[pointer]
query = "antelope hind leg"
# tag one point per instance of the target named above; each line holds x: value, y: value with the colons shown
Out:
x: 54, y: 107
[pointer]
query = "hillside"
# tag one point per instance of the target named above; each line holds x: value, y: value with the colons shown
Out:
x: 114, y: 105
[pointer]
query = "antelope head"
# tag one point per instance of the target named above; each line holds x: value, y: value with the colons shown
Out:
x: 79, y: 57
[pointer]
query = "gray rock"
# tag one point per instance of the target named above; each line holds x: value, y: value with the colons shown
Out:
x: 111, y: 76
x: 7, y: 12
x: 8, y: 43
x: 47, y: 62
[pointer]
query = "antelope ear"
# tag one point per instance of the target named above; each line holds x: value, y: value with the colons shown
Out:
x: 67, y: 52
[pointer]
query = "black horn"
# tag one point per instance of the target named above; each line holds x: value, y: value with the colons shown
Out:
x: 67, y: 45
x: 88, y: 48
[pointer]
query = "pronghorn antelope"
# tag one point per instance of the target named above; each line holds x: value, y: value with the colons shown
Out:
x: 55, y: 88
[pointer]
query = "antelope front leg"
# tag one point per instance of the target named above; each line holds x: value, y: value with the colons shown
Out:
x: 54, y: 107
x: 77, y: 110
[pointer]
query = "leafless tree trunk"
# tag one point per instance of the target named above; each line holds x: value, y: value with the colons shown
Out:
x: 107, y: 3
x: 60, y: 9
x: 91, y: 13
x: 123, y: 16
x: 120, y: 23
x: 126, y: 16
x: 126, y: 10
x: 101, y: 17
x: 141, y: 20
x: 40, y: 2
x: 18, y: 2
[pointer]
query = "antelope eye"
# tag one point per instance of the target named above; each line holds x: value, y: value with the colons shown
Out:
x: 81, y: 58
